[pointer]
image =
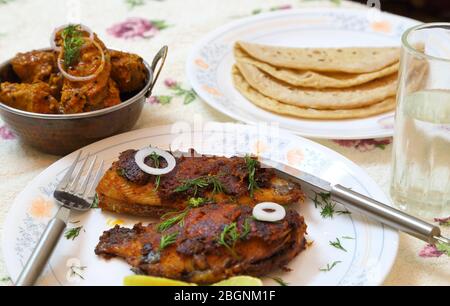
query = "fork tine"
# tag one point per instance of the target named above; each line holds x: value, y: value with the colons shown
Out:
x: 74, y: 182
x: 90, y: 192
x: 82, y: 188
x: 66, y: 179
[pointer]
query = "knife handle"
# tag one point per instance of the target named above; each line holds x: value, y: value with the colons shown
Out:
x: 386, y: 214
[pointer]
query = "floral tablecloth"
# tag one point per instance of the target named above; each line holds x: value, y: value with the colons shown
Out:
x: 143, y: 26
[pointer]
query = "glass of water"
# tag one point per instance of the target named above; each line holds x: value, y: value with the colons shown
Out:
x: 420, y: 181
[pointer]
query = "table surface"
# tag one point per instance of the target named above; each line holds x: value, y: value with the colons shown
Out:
x: 27, y: 25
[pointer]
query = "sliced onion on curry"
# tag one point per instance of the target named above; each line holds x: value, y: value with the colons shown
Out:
x: 142, y: 154
x: 75, y: 78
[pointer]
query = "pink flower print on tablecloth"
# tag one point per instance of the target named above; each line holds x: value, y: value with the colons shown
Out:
x: 136, y: 27
x: 6, y: 133
x: 364, y: 145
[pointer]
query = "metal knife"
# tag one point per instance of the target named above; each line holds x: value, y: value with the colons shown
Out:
x: 365, y: 205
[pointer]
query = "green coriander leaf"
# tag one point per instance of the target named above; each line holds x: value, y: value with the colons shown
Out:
x: 167, y: 240
x: 280, y: 281
x: 348, y: 237
x: 246, y: 228
x: 168, y: 223
x: 196, y: 202
x: 72, y: 43
x: 329, y: 267
x: 72, y: 233
x: 337, y: 244
x: 251, y: 168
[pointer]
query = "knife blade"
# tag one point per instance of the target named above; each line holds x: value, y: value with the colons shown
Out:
x: 376, y: 210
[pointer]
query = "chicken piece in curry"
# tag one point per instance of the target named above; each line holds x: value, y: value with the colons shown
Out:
x: 128, y: 70
x: 35, y: 97
x: 80, y: 74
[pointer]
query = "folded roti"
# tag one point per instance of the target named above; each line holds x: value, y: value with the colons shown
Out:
x: 351, y: 60
x: 343, y: 98
x: 315, y: 79
x: 303, y: 112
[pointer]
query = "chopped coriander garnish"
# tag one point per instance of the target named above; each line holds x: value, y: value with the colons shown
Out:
x: 200, y: 182
x: 337, y: 244
x: 179, y: 218
x: 76, y: 270
x: 321, y: 197
x: 155, y: 157
x: 348, y: 237
x: 196, y: 183
x: 72, y: 43
x: 246, y: 228
x: 228, y: 237
x: 168, y: 223
x: 167, y: 240
x: 280, y: 281
x: 328, y: 210
x: 325, y: 203
x: 329, y: 267
x: 251, y: 168
x: 196, y: 202
x: 72, y: 233
x: 217, y: 185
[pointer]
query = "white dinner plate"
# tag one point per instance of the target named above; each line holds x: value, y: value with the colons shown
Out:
x: 370, y: 247
x: 210, y: 61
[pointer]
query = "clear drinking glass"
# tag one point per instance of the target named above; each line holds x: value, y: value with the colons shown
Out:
x: 420, y: 181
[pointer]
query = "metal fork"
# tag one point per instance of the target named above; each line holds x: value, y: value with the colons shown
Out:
x: 70, y: 194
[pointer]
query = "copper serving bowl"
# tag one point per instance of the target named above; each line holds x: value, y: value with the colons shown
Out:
x: 60, y: 134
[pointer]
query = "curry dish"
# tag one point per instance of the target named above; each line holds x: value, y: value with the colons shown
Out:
x: 78, y: 75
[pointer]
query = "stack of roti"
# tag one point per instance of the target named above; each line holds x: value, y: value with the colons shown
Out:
x: 319, y: 83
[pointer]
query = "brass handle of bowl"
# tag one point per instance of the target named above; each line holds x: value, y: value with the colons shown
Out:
x: 160, y: 56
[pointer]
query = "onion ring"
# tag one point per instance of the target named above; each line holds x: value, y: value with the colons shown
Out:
x: 55, y: 31
x: 145, y: 152
x: 269, y: 211
x: 82, y: 78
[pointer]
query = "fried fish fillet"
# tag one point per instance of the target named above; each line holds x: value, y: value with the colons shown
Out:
x: 125, y: 188
x: 214, y: 242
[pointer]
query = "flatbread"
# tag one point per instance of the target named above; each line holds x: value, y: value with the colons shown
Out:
x: 344, y: 98
x: 301, y: 112
x: 352, y: 60
x: 314, y: 79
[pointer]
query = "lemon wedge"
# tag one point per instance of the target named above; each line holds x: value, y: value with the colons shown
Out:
x: 241, y: 280
x: 143, y: 280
